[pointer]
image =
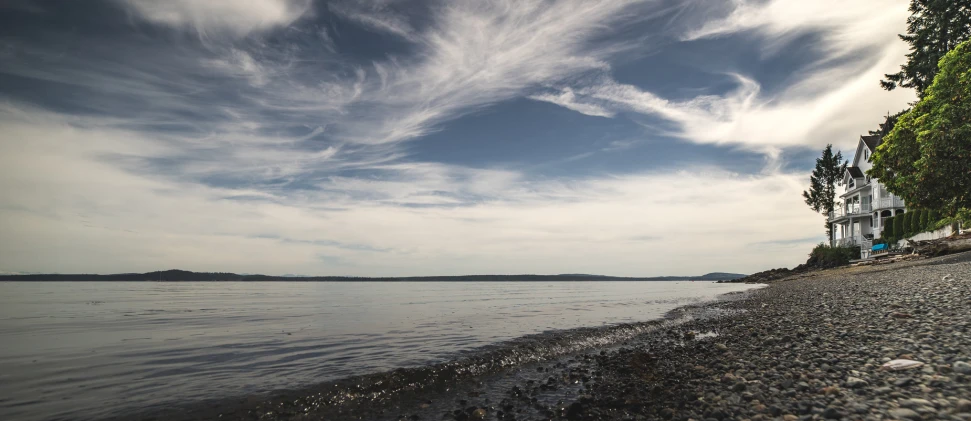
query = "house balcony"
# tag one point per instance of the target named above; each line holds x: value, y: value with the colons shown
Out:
x: 851, y: 210
x: 856, y: 240
x: 888, y: 203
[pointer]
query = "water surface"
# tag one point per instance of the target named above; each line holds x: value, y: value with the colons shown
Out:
x: 96, y: 349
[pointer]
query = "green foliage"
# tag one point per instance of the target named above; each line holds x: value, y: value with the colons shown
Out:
x: 964, y: 215
x: 915, y: 227
x: 909, y: 223
x: 925, y: 220
x: 888, y: 124
x: 933, y: 28
x: 888, y: 229
x: 825, y: 256
x: 828, y: 174
x: 898, y: 227
x: 924, y: 159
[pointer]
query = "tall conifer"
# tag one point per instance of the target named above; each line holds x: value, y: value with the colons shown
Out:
x: 828, y: 174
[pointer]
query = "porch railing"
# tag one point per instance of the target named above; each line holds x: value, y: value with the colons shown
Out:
x: 850, y: 210
x: 888, y: 202
x: 855, y: 240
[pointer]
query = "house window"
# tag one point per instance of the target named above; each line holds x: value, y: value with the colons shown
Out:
x: 866, y: 155
x: 852, y: 183
x: 868, y: 179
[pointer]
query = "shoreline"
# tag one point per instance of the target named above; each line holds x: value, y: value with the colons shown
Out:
x: 369, y: 396
x: 805, y: 347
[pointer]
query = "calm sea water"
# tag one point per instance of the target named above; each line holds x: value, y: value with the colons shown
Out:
x: 89, y: 350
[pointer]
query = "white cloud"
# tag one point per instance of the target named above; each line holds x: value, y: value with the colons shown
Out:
x: 376, y: 16
x: 845, y: 26
x: 239, y: 63
x: 81, y: 213
x: 480, y: 53
x: 567, y: 99
x: 835, y: 99
x: 210, y: 17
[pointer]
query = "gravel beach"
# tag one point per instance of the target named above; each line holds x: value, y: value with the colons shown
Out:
x: 804, y: 348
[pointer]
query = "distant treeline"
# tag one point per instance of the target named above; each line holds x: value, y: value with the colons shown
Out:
x: 186, y: 276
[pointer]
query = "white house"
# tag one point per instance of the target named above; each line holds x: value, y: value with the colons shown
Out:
x: 866, y: 202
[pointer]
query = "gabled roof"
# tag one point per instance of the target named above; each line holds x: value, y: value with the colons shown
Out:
x: 872, y: 141
x: 855, y: 172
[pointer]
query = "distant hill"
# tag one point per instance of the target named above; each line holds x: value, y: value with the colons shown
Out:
x: 186, y: 276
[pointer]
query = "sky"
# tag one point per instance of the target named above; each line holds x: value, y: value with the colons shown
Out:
x: 404, y: 138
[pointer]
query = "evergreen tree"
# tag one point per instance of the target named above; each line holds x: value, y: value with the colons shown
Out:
x: 898, y: 227
x: 888, y: 231
x: 888, y: 124
x: 828, y: 174
x: 933, y: 28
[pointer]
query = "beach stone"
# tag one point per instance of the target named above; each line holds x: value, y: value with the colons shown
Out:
x: 961, y: 367
x: 904, y: 413
x: 832, y: 413
x: 856, y: 382
x: 915, y: 403
x: 963, y: 406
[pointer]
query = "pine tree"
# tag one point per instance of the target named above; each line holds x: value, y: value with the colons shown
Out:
x: 828, y: 174
x: 933, y: 28
x: 888, y: 124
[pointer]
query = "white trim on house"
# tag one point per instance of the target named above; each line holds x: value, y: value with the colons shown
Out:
x: 863, y: 207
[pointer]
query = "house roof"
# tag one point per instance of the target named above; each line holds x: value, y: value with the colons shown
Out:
x: 872, y: 141
x: 855, y: 172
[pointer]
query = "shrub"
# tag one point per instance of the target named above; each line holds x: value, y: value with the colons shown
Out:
x: 888, y: 231
x: 915, y: 224
x: 909, y: 223
x: 925, y: 220
x: 823, y: 256
x: 964, y: 215
x: 898, y: 227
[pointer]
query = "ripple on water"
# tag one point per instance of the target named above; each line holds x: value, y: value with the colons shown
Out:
x: 152, y: 344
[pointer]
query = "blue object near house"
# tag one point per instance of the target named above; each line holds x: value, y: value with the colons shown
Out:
x: 878, y: 247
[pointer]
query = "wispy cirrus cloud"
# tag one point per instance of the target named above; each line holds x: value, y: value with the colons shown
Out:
x: 835, y: 96
x: 480, y: 53
x: 215, y: 17
x: 377, y: 16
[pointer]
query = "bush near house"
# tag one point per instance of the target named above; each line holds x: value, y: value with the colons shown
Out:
x: 824, y: 256
x: 888, y: 231
x: 917, y: 225
x: 898, y: 226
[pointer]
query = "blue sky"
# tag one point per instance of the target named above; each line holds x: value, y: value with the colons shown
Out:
x: 394, y: 137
